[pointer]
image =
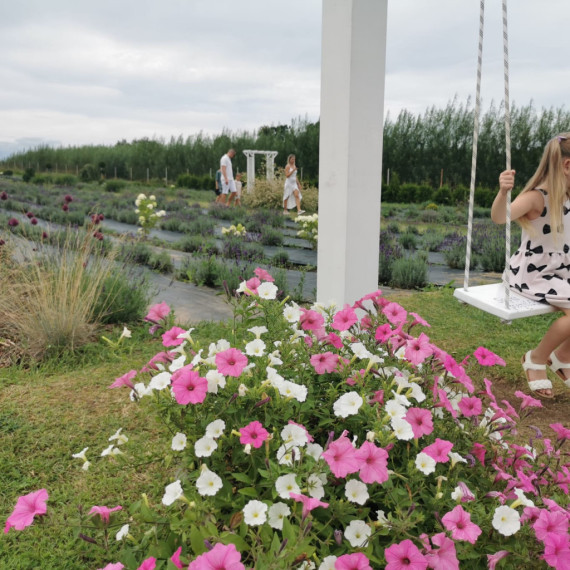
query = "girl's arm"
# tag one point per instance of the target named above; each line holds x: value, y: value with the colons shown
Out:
x: 528, y: 204
x: 289, y: 170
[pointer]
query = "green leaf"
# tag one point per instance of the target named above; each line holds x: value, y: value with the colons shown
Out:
x: 249, y: 492
x: 197, y: 540
x: 242, y: 477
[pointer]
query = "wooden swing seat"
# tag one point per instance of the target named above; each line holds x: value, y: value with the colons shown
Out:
x: 491, y: 299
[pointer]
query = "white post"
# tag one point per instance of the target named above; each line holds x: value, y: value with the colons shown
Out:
x: 350, y: 158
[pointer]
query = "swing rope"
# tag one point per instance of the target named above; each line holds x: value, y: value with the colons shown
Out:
x: 474, y: 153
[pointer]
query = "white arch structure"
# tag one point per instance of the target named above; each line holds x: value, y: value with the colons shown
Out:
x: 270, y: 165
x: 350, y: 157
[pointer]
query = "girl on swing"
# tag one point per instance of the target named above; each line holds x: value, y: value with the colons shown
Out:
x: 540, y: 268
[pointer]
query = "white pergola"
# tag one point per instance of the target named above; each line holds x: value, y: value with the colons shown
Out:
x: 270, y: 165
x: 350, y: 156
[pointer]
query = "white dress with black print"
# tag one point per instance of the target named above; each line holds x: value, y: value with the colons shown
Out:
x: 540, y: 268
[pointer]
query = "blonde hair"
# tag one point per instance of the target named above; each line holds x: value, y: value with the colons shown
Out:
x: 289, y: 157
x: 550, y: 174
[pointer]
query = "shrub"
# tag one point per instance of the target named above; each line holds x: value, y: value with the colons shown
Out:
x: 271, y: 236
x: 410, y: 272
x: 29, y: 173
x: 431, y: 241
x: 115, y: 185
x: 8, y: 172
x: 429, y: 216
x: 89, y: 173
x: 161, y: 262
x: 136, y: 252
x: 408, y: 241
x: 390, y: 251
x: 200, y: 226
x: 281, y: 258
x: 65, y: 180
x: 197, y: 243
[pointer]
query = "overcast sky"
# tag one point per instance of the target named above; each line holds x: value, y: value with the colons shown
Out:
x: 76, y: 72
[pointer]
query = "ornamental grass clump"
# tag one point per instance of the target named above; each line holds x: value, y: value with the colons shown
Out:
x: 337, y: 439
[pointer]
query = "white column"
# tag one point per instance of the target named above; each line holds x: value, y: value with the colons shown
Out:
x: 250, y: 170
x: 270, y: 155
x: 350, y: 158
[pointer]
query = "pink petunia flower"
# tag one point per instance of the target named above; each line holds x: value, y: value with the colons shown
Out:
x: 470, y: 406
x: 161, y: 357
x: 175, y: 558
x: 418, y: 320
x: 373, y: 463
x: 562, y: 433
x: 113, y: 566
x: 309, y: 503
x: 355, y: 561
x: 550, y: 523
x: 557, y: 551
x: 252, y: 285
x: 444, y: 557
x: 421, y: 421
x: 493, y: 559
x: 458, y: 522
x: 253, y: 434
x: 479, y: 451
x: 439, y: 450
x: 221, y: 557
x: 104, y: 512
x: 124, y: 380
x: 405, y: 555
x: 384, y: 332
x: 333, y: 339
x: 487, y: 358
x: 418, y: 349
x: 262, y: 274
x: 325, y: 362
x: 528, y: 401
x: 148, y: 564
x: 344, y: 319
x: 188, y: 386
x: 231, y: 362
x: 157, y: 313
x: 170, y: 337
x: 395, y: 313
x: 311, y: 320
x: 27, y: 507
x: 341, y: 457
x: 444, y: 402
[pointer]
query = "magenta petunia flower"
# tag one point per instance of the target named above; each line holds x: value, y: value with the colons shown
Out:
x: 562, y: 433
x: 418, y: 349
x: 384, y: 332
x: 479, y: 451
x: 231, y: 362
x: 27, y: 507
x: 470, y: 406
x: 421, y: 421
x: 528, y: 401
x: 170, y: 337
x: 405, y: 555
x: 458, y: 522
x: 157, y: 313
x: 487, y: 358
x: 341, y: 457
x: 325, y: 362
x: 493, y: 559
x: 221, y: 557
x: 124, y: 380
x: 175, y: 558
x: 373, y: 463
x: 334, y: 339
x: 104, y: 512
x: 355, y: 561
x: 148, y: 564
x: 550, y: 523
x: 262, y: 274
x: 253, y: 434
x: 444, y: 557
x: 311, y: 320
x: 344, y: 319
x: 188, y: 386
x: 557, y: 551
x: 308, y: 503
x: 439, y: 450
x: 395, y: 313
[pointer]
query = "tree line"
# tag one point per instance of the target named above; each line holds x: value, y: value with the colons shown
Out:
x: 432, y: 148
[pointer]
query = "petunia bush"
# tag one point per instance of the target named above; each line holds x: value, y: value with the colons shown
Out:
x: 337, y: 438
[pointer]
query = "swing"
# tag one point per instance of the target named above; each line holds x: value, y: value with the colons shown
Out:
x: 496, y: 298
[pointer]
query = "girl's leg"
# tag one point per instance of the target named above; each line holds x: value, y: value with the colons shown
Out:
x: 285, y: 211
x: 297, y: 200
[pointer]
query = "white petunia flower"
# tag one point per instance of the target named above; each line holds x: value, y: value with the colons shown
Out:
x: 160, y: 381
x: 289, y: 389
x: 215, y: 381
x: 292, y: 313
x: 219, y: 346
x: 242, y: 389
x: 172, y: 493
x: 348, y: 404
x: 119, y: 437
x: 357, y: 533
x: 126, y: 333
x: 255, y: 348
x: 456, y: 458
x: 205, y: 446
x: 267, y: 290
x: 401, y: 399
x: 81, y: 454
x: 457, y: 494
x: 286, y: 484
x: 402, y: 429
x: 108, y: 450
x: 255, y: 513
x: 208, y: 483
x: 523, y: 499
x: 277, y: 512
x: 258, y: 331
x: 86, y: 465
x: 425, y: 463
x: 179, y: 442
x: 356, y: 491
x: 286, y: 454
x: 293, y: 435
x: 315, y: 486
x: 215, y: 429
x: 197, y: 359
x: 186, y: 335
x: 314, y: 450
x: 382, y: 520
x: 506, y: 520
x: 139, y: 391
x: 394, y: 409
x: 360, y: 351
x: 123, y: 531
x: 328, y: 563
x: 274, y: 359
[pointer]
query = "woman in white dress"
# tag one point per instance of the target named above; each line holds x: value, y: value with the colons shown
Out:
x: 292, y: 189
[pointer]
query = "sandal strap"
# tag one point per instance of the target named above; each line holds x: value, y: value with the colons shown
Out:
x: 535, y: 385
x: 528, y: 364
x: 557, y: 364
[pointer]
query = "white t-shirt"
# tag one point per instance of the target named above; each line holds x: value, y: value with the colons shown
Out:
x: 227, y: 162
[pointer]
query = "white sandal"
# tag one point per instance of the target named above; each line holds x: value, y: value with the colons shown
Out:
x: 535, y: 385
x: 557, y: 366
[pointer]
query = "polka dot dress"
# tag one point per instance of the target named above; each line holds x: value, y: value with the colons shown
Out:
x: 540, y: 268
